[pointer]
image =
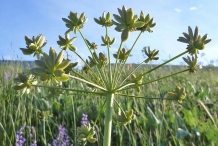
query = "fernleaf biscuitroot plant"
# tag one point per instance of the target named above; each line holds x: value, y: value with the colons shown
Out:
x: 99, y: 73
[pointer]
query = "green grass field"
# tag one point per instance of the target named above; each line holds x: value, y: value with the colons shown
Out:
x: 157, y: 122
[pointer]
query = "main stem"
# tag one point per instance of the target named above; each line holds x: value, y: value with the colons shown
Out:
x: 108, y: 119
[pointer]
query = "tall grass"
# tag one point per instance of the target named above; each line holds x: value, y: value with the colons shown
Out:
x: 157, y: 122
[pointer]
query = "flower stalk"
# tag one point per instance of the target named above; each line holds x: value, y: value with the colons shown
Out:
x: 108, y: 119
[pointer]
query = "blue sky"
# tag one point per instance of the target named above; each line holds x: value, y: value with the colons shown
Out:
x: 33, y: 17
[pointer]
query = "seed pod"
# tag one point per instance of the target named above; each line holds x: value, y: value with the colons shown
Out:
x: 207, y: 41
x: 26, y: 51
x: 58, y: 73
x: 186, y: 35
x: 59, y: 58
x: 19, y: 87
x: 63, y: 78
x: 33, y: 47
x: 48, y: 61
x: 204, y: 38
x: 124, y: 13
x: 40, y: 40
x: 129, y: 16
x: 40, y: 64
x: 119, y: 19
x: 28, y: 40
x: 108, y: 16
x: 38, y: 71
x: 125, y: 34
x: 147, y: 18
x: 196, y: 33
x: 190, y: 33
x: 63, y: 64
x: 199, y: 46
x: 52, y: 54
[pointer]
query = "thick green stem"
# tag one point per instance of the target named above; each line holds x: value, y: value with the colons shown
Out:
x: 108, y: 119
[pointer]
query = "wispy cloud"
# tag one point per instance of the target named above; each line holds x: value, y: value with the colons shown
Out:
x: 177, y: 10
x: 193, y: 8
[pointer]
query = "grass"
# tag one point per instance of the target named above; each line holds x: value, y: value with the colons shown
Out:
x: 157, y: 122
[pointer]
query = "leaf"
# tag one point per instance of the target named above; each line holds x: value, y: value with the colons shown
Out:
x: 189, y: 118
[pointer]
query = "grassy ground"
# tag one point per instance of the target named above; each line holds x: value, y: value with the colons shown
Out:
x: 157, y: 122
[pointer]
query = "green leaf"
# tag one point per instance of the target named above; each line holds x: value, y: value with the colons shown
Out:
x: 190, y: 118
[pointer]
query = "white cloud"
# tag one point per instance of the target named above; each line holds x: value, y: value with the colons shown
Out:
x: 192, y: 8
x: 177, y: 10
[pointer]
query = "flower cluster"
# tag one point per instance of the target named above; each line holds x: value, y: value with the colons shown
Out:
x: 32, y: 135
x: 85, y: 134
x: 152, y: 55
x: 122, y: 55
x: 74, y: 23
x: 194, y: 40
x: 24, y: 81
x: 179, y: 94
x: 66, y: 43
x: 148, y: 22
x: 62, y: 139
x: 126, y: 22
x: 7, y: 75
x: 20, y: 140
x: 107, y: 41
x: 126, y: 118
x: 104, y: 20
x: 34, y: 45
x: 51, y: 67
x: 84, y: 120
x: 192, y: 63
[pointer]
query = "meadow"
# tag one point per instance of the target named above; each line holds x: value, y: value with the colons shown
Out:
x: 157, y: 122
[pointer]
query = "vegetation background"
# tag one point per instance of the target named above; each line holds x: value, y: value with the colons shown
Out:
x: 157, y: 122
